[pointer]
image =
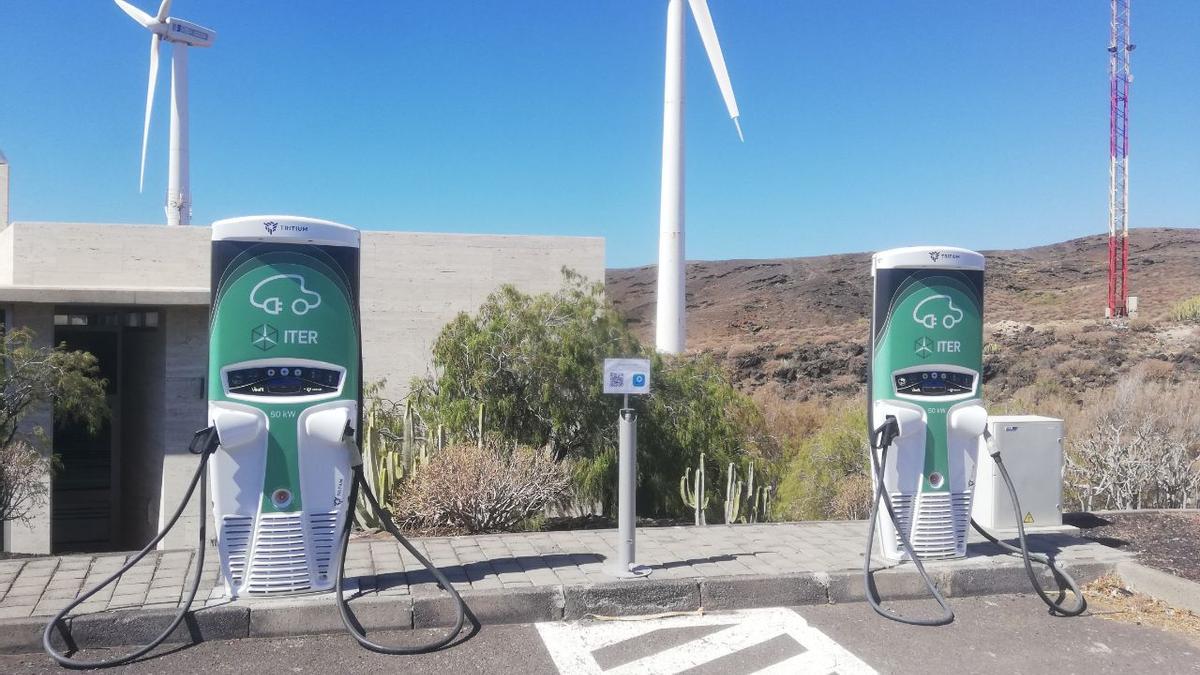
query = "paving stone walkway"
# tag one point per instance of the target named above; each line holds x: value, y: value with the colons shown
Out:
x: 378, y: 566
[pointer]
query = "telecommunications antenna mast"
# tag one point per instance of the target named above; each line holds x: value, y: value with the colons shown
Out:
x: 1119, y: 48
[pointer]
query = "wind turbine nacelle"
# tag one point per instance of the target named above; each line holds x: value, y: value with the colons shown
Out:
x: 188, y: 33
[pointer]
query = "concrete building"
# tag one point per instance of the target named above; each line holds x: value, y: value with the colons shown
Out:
x: 137, y: 296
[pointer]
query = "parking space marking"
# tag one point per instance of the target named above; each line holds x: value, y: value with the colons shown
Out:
x: 572, y: 645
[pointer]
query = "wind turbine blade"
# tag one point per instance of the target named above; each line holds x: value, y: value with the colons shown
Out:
x: 708, y: 35
x: 155, y: 41
x: 138, y: 15
x: 163, y: 9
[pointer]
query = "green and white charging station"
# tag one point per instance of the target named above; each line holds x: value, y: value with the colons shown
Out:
x: 926, y: 372
x: 284, y: 391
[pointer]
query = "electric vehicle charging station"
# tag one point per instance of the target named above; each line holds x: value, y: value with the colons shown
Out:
x: 285, y: 394
x: 284, y: 389
x: 926, y: 365
x: 924, y: 390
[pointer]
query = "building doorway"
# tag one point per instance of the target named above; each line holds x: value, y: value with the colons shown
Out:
x: 87, y: 486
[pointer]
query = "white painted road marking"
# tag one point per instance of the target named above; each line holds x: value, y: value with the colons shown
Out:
x: 572, y: 645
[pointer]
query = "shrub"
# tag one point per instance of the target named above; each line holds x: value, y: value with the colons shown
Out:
x: 852, y: 498
x: 1137, y: 446
x: 1154, y: 369
x: 32, y: 377
x: 471, y: 489
x: 534, y: 363
x: 1083, y: 369
x: 1186, y: 310
x: 826, y: 474
x: 22, y: 489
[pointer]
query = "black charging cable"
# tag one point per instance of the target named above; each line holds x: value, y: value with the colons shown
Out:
x: 881, y: 440
x: 355, y: 629
x: 1063, y: 579
x: 204, y: 443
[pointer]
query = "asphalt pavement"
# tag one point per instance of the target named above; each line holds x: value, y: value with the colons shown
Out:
x: 994, y: 634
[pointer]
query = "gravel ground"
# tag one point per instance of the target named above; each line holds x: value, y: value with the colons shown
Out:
x: 1164, y: 540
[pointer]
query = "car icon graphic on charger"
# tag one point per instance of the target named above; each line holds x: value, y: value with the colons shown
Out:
x: 929, y: 318
x: 273, y: 304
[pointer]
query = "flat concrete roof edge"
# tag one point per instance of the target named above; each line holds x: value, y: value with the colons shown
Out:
x: 105, y: 296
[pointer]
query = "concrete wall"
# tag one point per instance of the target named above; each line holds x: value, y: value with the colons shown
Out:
x: 185, y: 409
x: 34, y: 536
x: 92, y: 255
x: 143, y: 418
x: 413, y: 284
x: 6, y: 256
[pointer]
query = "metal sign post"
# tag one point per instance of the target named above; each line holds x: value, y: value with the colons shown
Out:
x: 625, y: 377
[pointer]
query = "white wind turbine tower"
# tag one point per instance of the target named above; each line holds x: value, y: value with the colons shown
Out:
x: 670, y: 326
x: 181, y: 34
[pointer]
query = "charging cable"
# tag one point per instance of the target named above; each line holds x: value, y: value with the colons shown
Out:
x: 204, y: 443
x: 356, y: 631
x: 1060, y: 576
x: 881, y: 440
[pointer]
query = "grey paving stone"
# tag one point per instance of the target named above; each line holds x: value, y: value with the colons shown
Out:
x: 15, y: 611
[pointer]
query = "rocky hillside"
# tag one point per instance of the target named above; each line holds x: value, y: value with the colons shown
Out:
x: 796, y: 327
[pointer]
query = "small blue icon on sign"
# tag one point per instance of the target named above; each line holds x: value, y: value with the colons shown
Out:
x: 639, y: 379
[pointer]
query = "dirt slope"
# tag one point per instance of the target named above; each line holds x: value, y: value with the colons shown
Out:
x: 797, y: 326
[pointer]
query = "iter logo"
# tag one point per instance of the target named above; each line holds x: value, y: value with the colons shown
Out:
x: 273, y: 304
x: 264, y: 337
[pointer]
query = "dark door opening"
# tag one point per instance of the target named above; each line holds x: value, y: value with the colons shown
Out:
x: 86, y: 486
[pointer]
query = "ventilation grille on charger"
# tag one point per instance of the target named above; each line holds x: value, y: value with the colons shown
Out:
x: 279, y: 563
x: 322, y: 529
x: 235, y: 539
x: 942, y: 521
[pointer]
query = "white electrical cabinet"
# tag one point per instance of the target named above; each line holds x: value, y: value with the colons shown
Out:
x: 1031, y: 447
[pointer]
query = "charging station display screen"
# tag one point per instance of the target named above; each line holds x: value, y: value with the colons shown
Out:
x: 934, y: 383
x: 283, y: 381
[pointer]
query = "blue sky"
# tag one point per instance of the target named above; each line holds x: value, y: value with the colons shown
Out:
x: 868, y: 124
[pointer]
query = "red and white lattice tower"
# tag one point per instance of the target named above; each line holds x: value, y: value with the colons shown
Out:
x: 1119, y: 49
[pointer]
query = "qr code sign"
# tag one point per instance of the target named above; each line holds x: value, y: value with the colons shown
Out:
x: 616, y: 379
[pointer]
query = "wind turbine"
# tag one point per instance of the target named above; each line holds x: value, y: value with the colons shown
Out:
x: 670, y: 324
x: 181, y: 34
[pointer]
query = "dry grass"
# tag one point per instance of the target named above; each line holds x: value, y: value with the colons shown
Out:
x: 1108, y: 598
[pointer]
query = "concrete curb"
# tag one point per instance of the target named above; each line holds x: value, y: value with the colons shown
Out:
x: 1175, y: 591
x: 318, y: 614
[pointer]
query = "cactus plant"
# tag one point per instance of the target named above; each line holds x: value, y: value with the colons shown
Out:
x: 694, y: 494
x: 762, y: 503
x: 733, y: 495
x: 392, y: 451
x: 751, y: 516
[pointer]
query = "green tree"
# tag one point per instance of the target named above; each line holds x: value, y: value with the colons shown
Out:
x: 826, y: 473
x: 535, y: 363
x: 32, y: 377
